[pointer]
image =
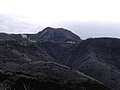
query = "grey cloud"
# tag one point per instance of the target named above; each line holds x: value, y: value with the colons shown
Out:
x: 10, y: 24
x: 92, y: 29
x: 14, y: 24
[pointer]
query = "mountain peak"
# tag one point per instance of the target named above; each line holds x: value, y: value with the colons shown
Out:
x: 51, y: 28
x: 58, y: 34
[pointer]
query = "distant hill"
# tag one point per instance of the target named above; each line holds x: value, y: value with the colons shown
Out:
x: 48, y: 34
x: 59, y: 56
x: 58, y: 34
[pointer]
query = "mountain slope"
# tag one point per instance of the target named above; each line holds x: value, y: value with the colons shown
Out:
x: 25, y: 62
x: 46, y: 76
x: 98, y: 58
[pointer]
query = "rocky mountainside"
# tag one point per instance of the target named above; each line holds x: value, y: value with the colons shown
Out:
x: 59, y: 56
x: 27, y: 65
x: 98, y: 58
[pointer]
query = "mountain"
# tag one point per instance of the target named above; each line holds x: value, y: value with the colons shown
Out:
x: 57, y: 54
x: 48, y: 34
x: 58, y: 35
x: 27, y: 65
x: 98, y: 58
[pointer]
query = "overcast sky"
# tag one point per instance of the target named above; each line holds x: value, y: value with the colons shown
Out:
x: 87, y: 18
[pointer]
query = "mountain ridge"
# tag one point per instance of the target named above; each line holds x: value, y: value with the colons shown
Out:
x: 47, y: 34
x: 95, y: 57
x: 34, y: 59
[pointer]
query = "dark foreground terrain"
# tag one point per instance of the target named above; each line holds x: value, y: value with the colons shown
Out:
x: 55, y: 59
